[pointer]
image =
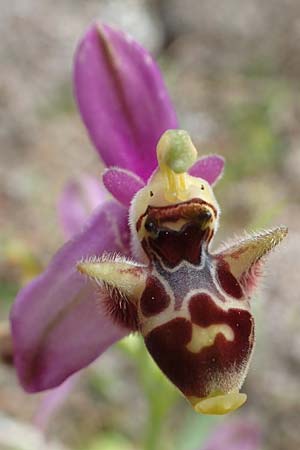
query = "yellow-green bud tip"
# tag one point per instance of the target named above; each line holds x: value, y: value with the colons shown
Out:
x: 176, y: 151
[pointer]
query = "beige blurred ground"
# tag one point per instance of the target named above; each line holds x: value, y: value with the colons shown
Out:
x: 233, y: 72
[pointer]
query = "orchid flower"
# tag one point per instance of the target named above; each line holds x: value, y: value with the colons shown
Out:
x: 142, y: 262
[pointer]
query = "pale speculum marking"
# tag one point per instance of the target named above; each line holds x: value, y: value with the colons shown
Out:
x: 186, y: 278
x: 205, y: 336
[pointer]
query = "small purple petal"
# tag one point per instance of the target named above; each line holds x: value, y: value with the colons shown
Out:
x: 122, y: 184
x: 122, y: 99
x: 210, y: 168
x: 235, y: 435
x: 58, y: 324
x: 78, y: 199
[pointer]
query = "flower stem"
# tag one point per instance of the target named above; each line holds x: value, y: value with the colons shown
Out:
x: 153, y: 430
x: 159, y: 393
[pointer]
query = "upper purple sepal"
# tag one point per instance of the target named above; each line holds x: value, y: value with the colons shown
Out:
x: 122, y: 99
x: 58, y: 324
x: 210, y: 168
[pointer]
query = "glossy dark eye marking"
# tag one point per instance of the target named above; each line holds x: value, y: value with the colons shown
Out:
x: 227, y: 281
x: 151, y: 225
x: 154, y: 298
x: 192, y: 372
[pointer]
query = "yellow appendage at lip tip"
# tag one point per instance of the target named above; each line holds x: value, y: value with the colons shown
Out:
x: 175, y: 154
x: 218, y: 404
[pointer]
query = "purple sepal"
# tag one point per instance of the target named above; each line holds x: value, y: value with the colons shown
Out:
x: 210, y: 168
x: 122, y: 99
x: 58, y: 324
x: 122, y: 184
x: 77, y: 201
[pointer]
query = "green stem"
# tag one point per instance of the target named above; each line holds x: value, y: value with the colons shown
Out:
x: 153, y: 429
x: 159, y: 393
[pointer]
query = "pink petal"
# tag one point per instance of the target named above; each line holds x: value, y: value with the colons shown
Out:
x: 235, y: 435
x: 78, y: 199
x: 122, y: 99
x: 122, y: 184
x: 58, y: 323
x: 210, y: 168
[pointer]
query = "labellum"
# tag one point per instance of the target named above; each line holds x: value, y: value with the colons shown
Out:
x: 191, y: 306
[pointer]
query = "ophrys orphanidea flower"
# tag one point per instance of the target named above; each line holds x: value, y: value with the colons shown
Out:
x: 191, y: 306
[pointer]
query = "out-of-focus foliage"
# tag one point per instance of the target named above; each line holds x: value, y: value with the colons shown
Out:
x: 260, y: 145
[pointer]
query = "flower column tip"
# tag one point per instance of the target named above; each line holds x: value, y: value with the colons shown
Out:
x: 175, y: 154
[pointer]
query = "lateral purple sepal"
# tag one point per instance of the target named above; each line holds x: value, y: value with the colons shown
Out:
x: 210, y: 168
x: 122, y: 99
x: 122, y: 184
x: 77, y: 201
x: 58, y: 324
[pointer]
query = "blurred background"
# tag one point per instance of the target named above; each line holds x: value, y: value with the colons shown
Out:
x: 233, y: 71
